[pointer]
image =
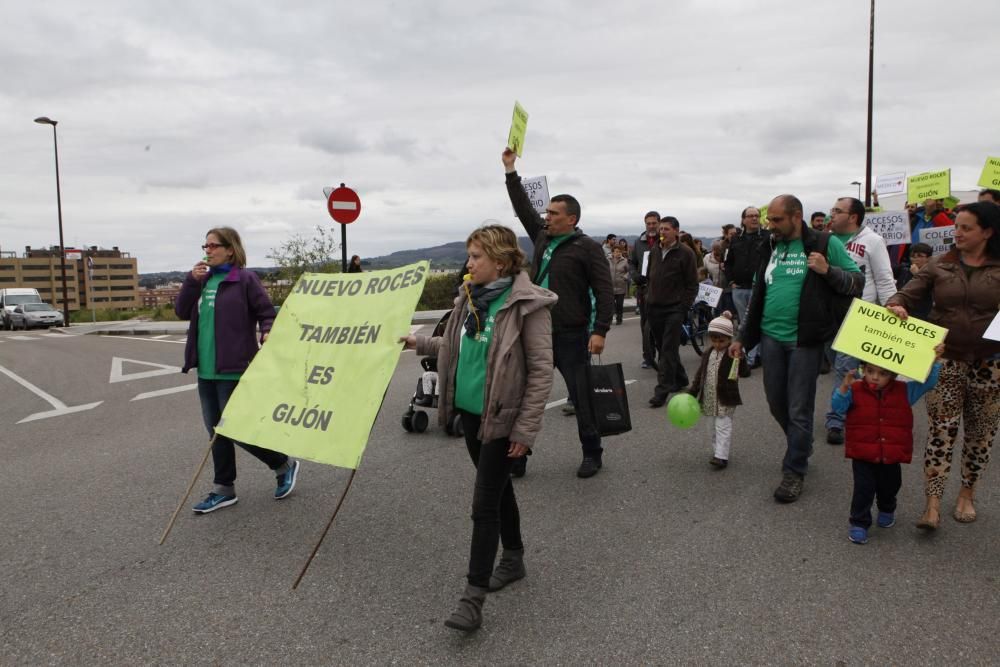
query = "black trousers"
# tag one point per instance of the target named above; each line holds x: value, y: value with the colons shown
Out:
x: 665, y: 327
x: 495, y: 517
x: 874, y: 482
x: 619, y: 307
x: 648, y: 351
x: 570, y: 355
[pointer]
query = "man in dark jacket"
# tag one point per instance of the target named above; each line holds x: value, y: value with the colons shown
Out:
x: 571, y: 264
x: 741, y: 262
x: 673, y: 286
x: 646, y: 242
x: 803, y: 279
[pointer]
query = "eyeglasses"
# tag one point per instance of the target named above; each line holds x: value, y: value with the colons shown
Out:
x: 836, y: 211
x: 213, y: 246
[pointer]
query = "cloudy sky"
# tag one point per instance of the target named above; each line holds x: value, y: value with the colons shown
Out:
x: 178, y: 116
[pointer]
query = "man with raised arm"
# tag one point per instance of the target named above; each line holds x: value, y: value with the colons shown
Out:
x: 571, y: 264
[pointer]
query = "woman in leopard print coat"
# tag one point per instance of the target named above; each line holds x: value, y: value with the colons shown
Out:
x: 965, y: 286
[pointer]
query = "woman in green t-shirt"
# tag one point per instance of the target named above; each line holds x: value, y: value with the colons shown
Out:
x: 495, y: 369
x: 226, y: 305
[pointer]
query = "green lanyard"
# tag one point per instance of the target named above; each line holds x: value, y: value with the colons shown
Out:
x: 543, y: 268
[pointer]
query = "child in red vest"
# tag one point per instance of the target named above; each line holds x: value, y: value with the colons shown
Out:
x: 879, y: 430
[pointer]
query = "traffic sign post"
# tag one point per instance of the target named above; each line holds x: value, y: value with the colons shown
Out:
x: 344, y: 207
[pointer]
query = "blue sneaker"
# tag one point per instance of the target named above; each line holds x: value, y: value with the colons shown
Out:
x: 213, y: 502
x: 886, y: 519
x: 858, y: 535
x: 286, y: 481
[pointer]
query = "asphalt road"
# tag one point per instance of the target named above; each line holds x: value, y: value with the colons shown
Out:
x: 659, y: 559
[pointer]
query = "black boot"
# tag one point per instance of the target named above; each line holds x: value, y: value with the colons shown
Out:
x: 509, y: 569
x: 468, y: 616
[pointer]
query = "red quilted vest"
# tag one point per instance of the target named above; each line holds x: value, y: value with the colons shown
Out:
x: 879, y: 427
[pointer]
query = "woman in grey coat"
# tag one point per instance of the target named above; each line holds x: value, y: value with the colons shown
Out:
x: 495, y: 370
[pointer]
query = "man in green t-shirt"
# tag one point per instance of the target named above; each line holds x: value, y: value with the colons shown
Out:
x: 804, y: 280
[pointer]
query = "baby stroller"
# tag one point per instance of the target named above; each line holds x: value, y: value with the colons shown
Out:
x: 416, y: 420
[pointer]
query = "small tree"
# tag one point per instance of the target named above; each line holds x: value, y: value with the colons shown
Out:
x: 439, y: 292
x: 301, y: 254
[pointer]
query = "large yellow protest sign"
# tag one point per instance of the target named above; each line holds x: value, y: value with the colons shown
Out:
x: 518, y: 128
x: 928, y: 185
x: 875, y: 334
x: 990, y: 178
x: 314, y: 389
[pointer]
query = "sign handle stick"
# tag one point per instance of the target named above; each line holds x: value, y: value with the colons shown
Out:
x: 187, y: 493
x: 325, y: 530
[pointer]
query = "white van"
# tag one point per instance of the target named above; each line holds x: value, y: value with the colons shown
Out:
x: 15, y: 296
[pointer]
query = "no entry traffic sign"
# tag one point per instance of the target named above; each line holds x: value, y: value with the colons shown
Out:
x: 344, y: 205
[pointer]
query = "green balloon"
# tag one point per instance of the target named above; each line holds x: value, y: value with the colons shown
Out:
x: 683, y: 410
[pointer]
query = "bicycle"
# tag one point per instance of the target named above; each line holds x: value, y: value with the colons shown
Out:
x: 695, y: 326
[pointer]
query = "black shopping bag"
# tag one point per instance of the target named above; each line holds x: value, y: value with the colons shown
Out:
x: 601, y: 398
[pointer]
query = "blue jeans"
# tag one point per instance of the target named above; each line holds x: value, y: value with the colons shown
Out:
x: 874, y: 482
x: 842, y: 365
x: 790, y: 385
x: 570, y: 355
x: 214, y: 395
x: 741, y: 297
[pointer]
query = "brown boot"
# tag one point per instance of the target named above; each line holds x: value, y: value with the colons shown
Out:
x: 965, y: 511
x: 468, y: 616
x: 932, y: 514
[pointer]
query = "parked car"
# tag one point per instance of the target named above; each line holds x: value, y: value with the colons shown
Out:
x: 13, y: 296
x: 31, y: 315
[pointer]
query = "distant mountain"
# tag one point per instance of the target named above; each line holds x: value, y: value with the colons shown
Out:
x: 447, y: 256
x: 162, y: 278
x: 453, y: 255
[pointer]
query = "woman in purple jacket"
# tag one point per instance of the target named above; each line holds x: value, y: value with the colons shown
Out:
x: 225, y: 304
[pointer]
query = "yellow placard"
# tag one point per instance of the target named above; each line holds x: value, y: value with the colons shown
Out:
x: 518, y: 128
x: 316, y: 385
x: 928, y: 185
x: 875, y: 334
x: 990, y: 178
x: 764, y: 222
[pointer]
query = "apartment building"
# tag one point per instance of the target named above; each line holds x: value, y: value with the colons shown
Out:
x: 95, y: 276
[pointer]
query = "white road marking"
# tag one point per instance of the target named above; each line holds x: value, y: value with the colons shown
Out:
x: 118, y: 375
x: 561, y: 401
x: 164, y: 392
x: 143, y: 340
x: 54, y: 335
x: 23, y: 337
x: 59, y: 408
x: 163, y: 336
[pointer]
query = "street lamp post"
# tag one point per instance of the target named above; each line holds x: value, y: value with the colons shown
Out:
x: 45, y: 120
x: 871, y: 77
x: 858, y: 183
